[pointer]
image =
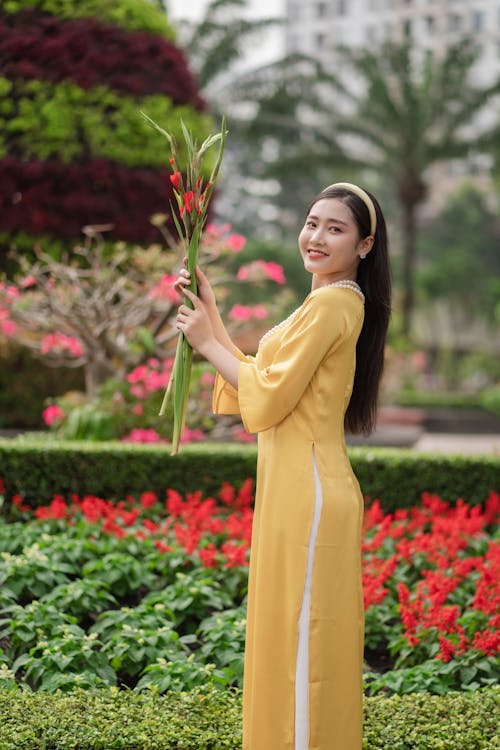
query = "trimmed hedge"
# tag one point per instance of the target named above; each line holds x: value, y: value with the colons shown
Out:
x: 211, y: 721
x: 39, y: 468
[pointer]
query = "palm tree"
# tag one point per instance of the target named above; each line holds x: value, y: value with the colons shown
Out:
x: 414, y: 112
x: 264, y: 106
x: 216, y: 42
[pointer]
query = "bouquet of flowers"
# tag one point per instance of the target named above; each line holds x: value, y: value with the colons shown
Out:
x: 192, y: 193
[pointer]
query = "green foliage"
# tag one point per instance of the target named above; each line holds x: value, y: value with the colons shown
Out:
x: 469, y: 673
x: 223, y: 642
x: 460, y: 263
x: 53, y: 665
x: 26, y: 384
x: 128, y: 14
x: 121, y: 571
x: 210, y: 719
x: 33, y: 573
x: 38, y: 469
x: 423, y: 722
x: 108, y: 123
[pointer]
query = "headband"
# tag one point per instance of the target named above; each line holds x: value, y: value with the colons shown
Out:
x: 364, y: 197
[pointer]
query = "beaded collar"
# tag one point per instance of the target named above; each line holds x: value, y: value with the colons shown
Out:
x: 345, y: 283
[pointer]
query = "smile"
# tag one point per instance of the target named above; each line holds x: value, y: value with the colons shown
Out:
x: 314, y: 253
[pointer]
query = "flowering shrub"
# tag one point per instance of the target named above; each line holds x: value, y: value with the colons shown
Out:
x: 111, y: 574
x: 50, y: 308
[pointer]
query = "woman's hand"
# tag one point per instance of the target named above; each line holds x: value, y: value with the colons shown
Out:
x: 205, y: 291
x: 195, y: 323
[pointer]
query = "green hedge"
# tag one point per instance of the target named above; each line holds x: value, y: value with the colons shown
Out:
x: 41, y: 122
x: 211, y: 721
x: 37, y: 469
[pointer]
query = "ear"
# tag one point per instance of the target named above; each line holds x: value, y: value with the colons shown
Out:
x: 365, y: 245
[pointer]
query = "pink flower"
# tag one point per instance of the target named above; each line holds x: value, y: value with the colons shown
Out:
x: 52, y: 414
x: 192, y: 436
x: 139, y: 435
x: 241, y: 435
x: 138, y: 390
x: 236, y: 242
x: 164, y: 290
x: 243, y: 273
x: 8, y: 327
x: 240, y: 312
x: 259, y: 312
x: 28, y: 281
x: 259, y: 268
x: 59, y: 342
x: 138, y: 409
x: 274, y: 272
x: 207, y: 378
x: 138, y: 374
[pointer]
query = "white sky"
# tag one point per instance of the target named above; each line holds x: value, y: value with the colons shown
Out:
x: 272, y: 44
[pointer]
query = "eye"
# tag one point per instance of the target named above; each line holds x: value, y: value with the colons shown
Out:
x: 334, y: 229
x: 310, y: 224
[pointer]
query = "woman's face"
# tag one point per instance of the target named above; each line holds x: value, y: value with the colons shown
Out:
x: 330, y: 244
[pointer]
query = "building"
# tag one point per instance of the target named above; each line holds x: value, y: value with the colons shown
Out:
x: 318, y: 27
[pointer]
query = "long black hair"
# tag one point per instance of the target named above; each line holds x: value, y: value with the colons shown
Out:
x: 374, y: 278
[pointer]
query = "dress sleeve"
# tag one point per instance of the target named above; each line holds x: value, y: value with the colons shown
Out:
x: 224, y: 396
x: 266, y: 396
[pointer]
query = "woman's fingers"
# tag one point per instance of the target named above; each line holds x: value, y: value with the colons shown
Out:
x: 194, y: 299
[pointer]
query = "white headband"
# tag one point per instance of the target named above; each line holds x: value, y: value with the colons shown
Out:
x: 364, y: 197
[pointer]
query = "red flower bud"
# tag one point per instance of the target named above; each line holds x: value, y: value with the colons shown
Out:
x: 175, y: 179
x: 188, y: 200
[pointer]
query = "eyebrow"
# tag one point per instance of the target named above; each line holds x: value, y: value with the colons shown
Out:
x: 335, y: 221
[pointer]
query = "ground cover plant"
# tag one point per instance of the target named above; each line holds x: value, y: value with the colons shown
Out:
x: 149, y: 593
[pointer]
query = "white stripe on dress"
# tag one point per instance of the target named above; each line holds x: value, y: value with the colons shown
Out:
x: 302, y: 667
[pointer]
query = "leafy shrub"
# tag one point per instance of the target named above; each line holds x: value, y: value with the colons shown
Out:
x: 39, y: 469
x: 177, y: 571
x: 210, y: 719
x: 222, y: 636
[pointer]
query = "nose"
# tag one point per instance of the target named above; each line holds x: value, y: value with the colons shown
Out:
x: 317, y: 236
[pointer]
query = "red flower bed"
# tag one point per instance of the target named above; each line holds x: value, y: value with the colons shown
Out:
x: 431, y: 574
x: 440, y: 565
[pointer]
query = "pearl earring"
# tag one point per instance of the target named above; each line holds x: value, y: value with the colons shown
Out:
x: 362, y: 256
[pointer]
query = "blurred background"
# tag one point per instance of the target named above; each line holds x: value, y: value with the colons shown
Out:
x: 400, y: 96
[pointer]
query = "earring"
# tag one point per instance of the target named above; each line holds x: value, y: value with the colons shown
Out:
x: 362, y: 256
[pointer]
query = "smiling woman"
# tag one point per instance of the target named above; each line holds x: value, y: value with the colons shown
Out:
x: 314, y: 372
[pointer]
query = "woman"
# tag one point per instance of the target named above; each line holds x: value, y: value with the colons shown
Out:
x: 314, y: 372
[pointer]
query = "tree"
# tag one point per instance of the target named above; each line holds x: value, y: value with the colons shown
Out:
x: 460, y: 259
x: 74, y: 149
x: 413, y: 112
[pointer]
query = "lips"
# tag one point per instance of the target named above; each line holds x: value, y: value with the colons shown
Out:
x: 314, y: 253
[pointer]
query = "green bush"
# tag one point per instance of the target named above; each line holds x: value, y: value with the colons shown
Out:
x: 211, y: 720
x: 48, y: 115
x: 37, y: 469
x: 127, y: 13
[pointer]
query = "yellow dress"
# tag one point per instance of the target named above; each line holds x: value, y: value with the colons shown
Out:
x: 304, y: 644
